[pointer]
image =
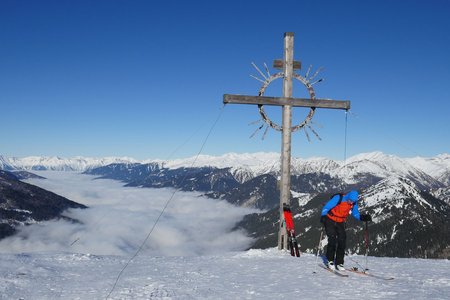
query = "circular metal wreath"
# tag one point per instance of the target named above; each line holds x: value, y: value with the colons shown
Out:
x: 311, y: 92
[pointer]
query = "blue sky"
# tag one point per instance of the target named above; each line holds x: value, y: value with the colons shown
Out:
x: 145, y: 79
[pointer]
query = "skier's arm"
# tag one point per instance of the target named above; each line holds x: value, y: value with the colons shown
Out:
x: 355, y: 212
x: 330, y: 204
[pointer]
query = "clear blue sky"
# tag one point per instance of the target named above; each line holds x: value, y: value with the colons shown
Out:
x: 145, y: 79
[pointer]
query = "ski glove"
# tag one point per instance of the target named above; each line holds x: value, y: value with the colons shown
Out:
x: 322, y: 219
x: 365, y: 218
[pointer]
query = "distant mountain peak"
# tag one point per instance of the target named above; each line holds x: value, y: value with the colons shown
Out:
x: 392, y: 187
x: 4, y: 164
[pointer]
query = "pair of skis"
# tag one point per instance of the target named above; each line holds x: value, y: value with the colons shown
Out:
x: 357, y: 271
x: 292, y: 239
x: 354, y: 270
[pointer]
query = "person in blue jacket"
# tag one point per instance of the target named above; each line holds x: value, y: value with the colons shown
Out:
x: 333, y: 217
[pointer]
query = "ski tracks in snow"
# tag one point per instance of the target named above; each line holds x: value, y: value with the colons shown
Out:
x: 253, y: 274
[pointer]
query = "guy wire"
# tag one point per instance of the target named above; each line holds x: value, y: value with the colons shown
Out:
x: 345, y: 140
x: 165, y: 206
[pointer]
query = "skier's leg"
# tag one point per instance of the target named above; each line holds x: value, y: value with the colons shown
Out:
x: 341, y: 240
x: 330, y: 230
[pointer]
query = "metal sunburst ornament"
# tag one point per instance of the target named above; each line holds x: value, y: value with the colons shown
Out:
x: 306, y: 80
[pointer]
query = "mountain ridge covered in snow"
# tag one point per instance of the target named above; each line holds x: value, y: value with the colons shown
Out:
x: 55, y: 163
x: 255, y: 164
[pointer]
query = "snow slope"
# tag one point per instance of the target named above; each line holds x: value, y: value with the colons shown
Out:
x: 394, y: 188
x: 254, y: 274
x: 435, y: 166
x: 4, y: 164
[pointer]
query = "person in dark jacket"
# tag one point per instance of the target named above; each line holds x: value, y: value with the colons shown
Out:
x: 333, y: 217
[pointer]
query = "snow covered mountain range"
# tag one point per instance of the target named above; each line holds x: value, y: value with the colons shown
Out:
x: 244, y: 170
x: 431, y: 174
x: 246, y: 166
x: 57, y: 163
x: 409, y: 198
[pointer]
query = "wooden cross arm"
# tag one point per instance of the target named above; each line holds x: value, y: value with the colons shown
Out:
x: 280, y: 101
x: 279, y: 64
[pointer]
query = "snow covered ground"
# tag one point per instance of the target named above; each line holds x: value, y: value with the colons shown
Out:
x: 192, y: 254
x: 253, y: 274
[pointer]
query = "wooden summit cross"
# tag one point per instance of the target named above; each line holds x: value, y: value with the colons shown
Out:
x: 287, y: 102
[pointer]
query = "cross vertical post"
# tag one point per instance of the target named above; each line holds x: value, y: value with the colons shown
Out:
x: 285, y: 183
x: 288, y: 65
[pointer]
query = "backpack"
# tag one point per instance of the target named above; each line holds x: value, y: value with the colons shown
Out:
x: 338, y: 218
x: 341, y: 195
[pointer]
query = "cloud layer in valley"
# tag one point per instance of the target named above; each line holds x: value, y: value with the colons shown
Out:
x: 119, y: 219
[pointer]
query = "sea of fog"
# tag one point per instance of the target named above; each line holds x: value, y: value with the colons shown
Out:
x: 119, y: 219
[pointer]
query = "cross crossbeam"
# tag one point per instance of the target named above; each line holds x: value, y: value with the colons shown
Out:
x: 281, y: 101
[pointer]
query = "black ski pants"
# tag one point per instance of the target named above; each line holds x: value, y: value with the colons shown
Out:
x: 336, y: 240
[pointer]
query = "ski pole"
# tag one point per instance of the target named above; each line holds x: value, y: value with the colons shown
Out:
x: 318, y: 246
x: 356, y: 262
x: 366, y: 236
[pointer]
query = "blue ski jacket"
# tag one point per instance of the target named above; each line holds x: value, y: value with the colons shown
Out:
x: 352, y: 196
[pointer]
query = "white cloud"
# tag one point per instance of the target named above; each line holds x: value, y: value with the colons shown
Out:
x: 119, y: 219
